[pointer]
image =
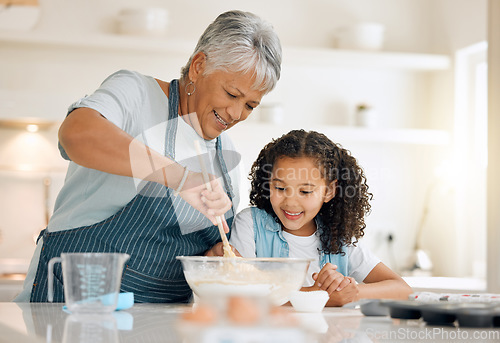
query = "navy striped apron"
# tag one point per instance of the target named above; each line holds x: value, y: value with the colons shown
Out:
x: 148, y: 229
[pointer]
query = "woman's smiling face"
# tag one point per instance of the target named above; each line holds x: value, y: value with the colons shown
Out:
x: 222, y: 99
x: 297, y: 193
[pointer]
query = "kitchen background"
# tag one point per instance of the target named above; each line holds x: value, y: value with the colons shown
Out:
x: 425, y: 88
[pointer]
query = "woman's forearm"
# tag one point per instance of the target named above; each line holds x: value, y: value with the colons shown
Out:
x: 92, y: 141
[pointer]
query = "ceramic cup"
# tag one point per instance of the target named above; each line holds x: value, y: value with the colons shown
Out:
x: 142, y: 21
x: 362, y: 36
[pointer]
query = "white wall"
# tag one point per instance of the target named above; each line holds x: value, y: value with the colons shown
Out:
x: 493, y: 147
x: 399, y: 175
x: 298, y: 22
x: 457, y: 25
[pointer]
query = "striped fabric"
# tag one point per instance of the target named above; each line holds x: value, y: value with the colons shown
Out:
x: 148, y: 229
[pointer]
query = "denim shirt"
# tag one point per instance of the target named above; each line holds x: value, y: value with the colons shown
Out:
x: 269, y: 241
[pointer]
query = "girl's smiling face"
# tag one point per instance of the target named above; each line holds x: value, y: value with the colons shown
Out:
x: 297, y: 193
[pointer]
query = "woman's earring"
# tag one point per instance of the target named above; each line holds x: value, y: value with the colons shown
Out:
x: 190, y: 84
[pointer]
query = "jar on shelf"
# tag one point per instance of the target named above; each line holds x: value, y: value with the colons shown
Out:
x: 361, y: 36
x: 366, y: 116
x: 271, y: 113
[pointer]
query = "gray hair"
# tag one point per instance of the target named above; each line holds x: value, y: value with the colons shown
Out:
x: 240, y: 41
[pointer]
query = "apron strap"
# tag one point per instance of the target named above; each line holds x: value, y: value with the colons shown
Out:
x: 225, y: 173
x: 173, y: 116
x: 173, y: 99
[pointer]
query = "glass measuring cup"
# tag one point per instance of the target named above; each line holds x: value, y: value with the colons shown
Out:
x: 91, y: 280
x: 90, y: 328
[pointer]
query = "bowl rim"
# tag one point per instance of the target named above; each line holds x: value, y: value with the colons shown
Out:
x: 244, y: 259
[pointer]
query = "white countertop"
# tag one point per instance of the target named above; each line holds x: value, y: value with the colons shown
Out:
x: 42, y: 322
x: 446, y: 284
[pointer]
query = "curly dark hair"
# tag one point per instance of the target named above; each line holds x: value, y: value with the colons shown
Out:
x: 344, y: 215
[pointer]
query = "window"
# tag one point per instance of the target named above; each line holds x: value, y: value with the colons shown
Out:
x: 470, y: 158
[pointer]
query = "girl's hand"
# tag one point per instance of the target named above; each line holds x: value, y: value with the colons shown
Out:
x: 348, y: 294
x: 329, y: 279
x: 218, y: 250
x: 210, y: 203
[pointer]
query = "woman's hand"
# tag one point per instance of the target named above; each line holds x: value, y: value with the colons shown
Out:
x: 218, y: 250
x: 329, y: 279
x: 211, y: 203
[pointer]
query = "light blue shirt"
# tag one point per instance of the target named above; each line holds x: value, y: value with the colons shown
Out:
x: 255, y: 233
x: 269, y: 241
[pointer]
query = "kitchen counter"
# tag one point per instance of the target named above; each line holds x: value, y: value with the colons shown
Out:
x: 162, y: 323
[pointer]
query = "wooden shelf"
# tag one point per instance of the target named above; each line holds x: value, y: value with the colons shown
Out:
x: 368, y: 59
x: 101, y: 42
x: 340, y: 134
x: 292, y: 56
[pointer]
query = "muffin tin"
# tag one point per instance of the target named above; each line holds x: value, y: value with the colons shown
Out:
x: 373, y: 307
x: 470, y: 314
x: 406, y: 309
x: 439, y: 313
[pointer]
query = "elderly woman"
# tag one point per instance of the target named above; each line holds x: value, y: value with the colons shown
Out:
x: 134, y: 183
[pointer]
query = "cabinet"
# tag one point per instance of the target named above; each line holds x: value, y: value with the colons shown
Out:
x: 9, y: 289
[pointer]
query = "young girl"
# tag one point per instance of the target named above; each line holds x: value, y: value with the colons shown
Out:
x: 310, y: 198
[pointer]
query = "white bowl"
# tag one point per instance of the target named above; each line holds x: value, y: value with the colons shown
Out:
x: 18, y: 18
x: 313, y: 301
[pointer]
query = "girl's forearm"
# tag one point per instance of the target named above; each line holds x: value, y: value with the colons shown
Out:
x: 386, y: 289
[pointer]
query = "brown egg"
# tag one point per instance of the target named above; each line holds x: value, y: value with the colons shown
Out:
x: 202, y: 314
x: 243, y: 311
